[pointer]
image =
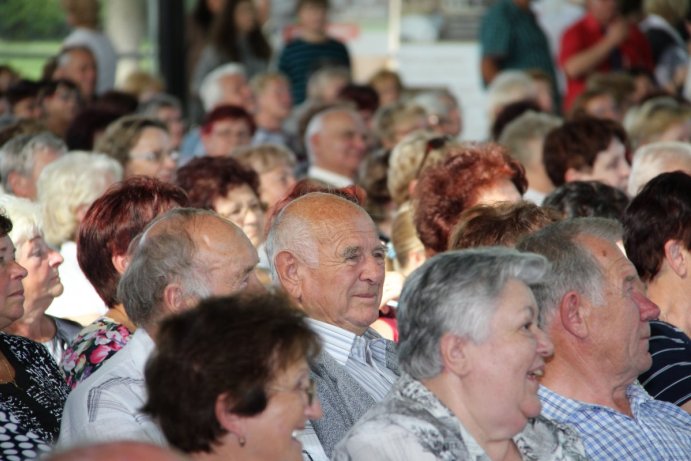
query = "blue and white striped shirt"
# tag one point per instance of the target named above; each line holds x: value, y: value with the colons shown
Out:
x: 658, y: 430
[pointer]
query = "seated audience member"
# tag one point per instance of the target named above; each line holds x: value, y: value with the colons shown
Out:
x: 443, y: 111
x: 77, y: 63
x: 142, y: 146
x: 372, y: 178
x: 626, y: 88
x: 105, y: 233
x: 42, y: 283
x: 587, y: 149
x: 167, y: 109
x: 59, y: 102
x: 66, y: 189
x: 243, y: 409
x: 597, y: 314
x: 393, y: 122
x: 32, y: 389
x: 325, y: 253
x: 223, y: 185
x: 225, y: 129
x: 388, y: 86
x: 415, y: 153
x: 88, y: 127
x: 509, y: 113
x: 657, y: 158
x: 275, y: 166
x: 470, y: 175
x: 451, y: 402
x: 143, y: 85
x: 364, y: 98
x: 274, y: 103
x: 19, y: 442
x: 22, y: 100
x: 659, y: 119
x: 581, y: 199
x: 336, y: 145
x: 524, y: 138
x: 116, y: 451
x: 23, y: 159
x: 181, y: 257
x: 500, y: 224
x: 597, y: 103
x: 657, y: 238
x: 507, y: 87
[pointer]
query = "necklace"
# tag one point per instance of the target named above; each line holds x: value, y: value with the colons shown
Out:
x: 9, y: 373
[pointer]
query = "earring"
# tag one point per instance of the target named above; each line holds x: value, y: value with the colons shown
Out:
x: 241, y: 440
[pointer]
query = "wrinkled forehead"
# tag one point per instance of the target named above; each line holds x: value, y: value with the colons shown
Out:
x: 326, y: 213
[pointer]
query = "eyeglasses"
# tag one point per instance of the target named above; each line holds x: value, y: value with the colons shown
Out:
x: 432, y: 144
x: 310, y: 390
x: 155, y: 157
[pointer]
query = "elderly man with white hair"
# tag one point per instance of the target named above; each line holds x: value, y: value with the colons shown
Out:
x: 325, y: 253
x: 657, y: 158
x: 336, y: 144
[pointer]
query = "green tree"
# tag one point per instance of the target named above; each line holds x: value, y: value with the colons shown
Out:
x: 31, y: 20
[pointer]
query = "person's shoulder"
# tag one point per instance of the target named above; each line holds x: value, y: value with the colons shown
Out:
x: 544, y: 437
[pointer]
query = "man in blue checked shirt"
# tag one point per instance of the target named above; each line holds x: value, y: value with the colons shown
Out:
x: 597, y: 314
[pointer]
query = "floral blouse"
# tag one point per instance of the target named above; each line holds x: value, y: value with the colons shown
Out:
x: 412, y: 424
x: 95, y: 344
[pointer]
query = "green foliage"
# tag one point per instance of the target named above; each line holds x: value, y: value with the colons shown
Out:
x: 31, y: 20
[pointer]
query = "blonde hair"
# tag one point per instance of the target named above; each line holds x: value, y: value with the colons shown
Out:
x: 71, y: 182
x: 25, y: 216
x: 264, y: 157
x: 404, y: 237
x: 647, y: 122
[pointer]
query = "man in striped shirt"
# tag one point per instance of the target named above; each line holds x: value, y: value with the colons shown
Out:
x: 597, y: 314
x: 325, y: 252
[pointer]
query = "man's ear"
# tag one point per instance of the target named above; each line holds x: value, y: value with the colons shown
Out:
x: 454, y: 352
x: 676, y: 257
x: 573, y: 315
x: 287, y: 268
x: 173, y: 298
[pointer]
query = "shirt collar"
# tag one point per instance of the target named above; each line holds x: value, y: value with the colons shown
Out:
x: 328, y: 177
x: 337, y: 342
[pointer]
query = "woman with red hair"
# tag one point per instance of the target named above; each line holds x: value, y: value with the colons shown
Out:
x: 471, y: 174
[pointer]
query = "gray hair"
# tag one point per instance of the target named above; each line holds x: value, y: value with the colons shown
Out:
x: 25, y: 216
x: 18, y: 155
x: 525, y: 128
x: 319, y: 78
x: 657, y: 158
x: 292, y: 233
x: 210, y: 88
x: 456, y: 292
x: 507, y: 87
x: 168, y: 256
x: 68, y: 184
x: 316, y: 124
x: 158, y: 101
x: 436, y: 102
x: 574, y: 268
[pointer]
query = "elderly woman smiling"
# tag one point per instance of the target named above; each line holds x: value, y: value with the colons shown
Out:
x: 472, y: 353
x: 245, y: 361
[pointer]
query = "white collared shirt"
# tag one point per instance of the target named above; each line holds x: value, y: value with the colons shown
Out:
x: 329, y: 177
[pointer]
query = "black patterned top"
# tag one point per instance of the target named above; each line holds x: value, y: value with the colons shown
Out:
x: 39, y: 391
x: 17, y: 443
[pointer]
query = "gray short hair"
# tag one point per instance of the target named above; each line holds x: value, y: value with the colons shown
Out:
x: 210, y: 88
x: 168, y: 256
x: 573, y: 266
x: 316, y: 124
x: 507, y: 87
x: 456, y: 292
x: 18, y: 154
x: 158, y: 101
x: 525, y: 128
x: 292, y: 233
x: 71, y: 182
x: 654, y: 159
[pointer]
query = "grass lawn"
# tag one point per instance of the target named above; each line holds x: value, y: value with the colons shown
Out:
x: 36, y: 55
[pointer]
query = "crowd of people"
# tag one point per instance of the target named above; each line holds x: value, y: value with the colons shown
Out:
x: 304, y: 267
